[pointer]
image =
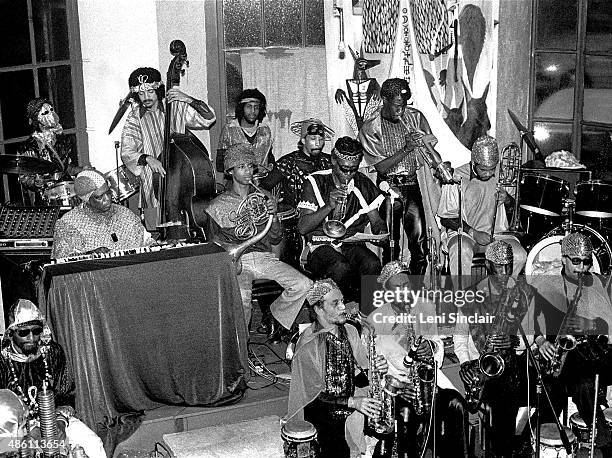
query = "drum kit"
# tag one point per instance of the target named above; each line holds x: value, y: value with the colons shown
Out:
x: 551, y: 211
x: 60, y: 192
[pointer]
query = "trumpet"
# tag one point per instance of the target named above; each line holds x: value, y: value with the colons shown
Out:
x: 334, y: 227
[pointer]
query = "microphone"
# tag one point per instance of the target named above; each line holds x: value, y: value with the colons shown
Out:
x: 114, y: 237
x: 385, y: 187
x: 412, y: 353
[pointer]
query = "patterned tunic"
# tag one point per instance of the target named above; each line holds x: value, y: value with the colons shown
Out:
x: 394, y: 139
x: 261, y: 142
x: 295, y: 167
x: 83, y: 229
x: 143, y: 133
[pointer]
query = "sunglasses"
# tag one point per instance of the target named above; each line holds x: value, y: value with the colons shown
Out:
x: 26, y: 332
x: 315, y: 129
x: 578, y: 261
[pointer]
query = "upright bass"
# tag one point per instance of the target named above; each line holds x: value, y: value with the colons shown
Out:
x: 189, y: 182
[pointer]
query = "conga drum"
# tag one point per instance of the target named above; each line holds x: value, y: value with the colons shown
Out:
x: 299, y: 439
x: 551, y: 445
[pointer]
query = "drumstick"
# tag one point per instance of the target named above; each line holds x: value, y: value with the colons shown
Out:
x: 593, y: 425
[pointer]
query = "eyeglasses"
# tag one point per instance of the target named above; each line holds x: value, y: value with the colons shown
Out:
x: 315, y: 129
x: 26, y: 331
x: 578, y: 261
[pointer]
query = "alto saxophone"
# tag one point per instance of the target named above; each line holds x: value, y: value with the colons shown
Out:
x: 385, y: 423
x: 422, y: 377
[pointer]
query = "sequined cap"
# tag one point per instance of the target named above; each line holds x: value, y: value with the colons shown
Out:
x: 300, y: 128
x: 87, y: 182
x: 485, y: 151
x: 319, y: 289
x: 238, y: 154
x: 391, y: 269
x: 576, y: 245
x: 499, y: 252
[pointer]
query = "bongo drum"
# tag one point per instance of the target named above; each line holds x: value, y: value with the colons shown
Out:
x: 299, y: 439
x: 551, y: 445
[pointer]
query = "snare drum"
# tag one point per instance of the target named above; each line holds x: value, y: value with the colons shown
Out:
x: 61, y: 194
x: 543, y: 194
x: 594, y: 199
x: 299, y: 440
x: 123, y: 184
x: 550, y: 442
x: 545, y: 256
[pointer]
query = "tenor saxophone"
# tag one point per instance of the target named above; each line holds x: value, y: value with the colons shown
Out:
x: 385, y: 423
x: 421, y: 376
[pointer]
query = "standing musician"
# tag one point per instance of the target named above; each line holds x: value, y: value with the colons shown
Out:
x: 235, y: 215
x: 341, y: 192
x: 327, y: 376
x: 398, y: 324
x: 392, y: 140
x: 97, y: 225
x: 496, y: 340
x: 248, y: 127
x: 478, y: 186
x: 556, y: 296
x: 142, y: 138
x: 49, y: 143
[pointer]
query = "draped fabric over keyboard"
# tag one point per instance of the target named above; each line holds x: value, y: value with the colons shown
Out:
x: 141, y: 334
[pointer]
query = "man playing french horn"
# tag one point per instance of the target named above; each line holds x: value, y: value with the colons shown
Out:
x: 489, y: 364
x: 245, y: 224
x: 328, y: 377
x: 410, y: 342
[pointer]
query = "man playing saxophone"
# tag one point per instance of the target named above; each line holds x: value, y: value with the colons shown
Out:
x: 489, y: 364
x: 328, y: 376
x: 241, y: 215
x: 407, y: 334
x: 577, y: 290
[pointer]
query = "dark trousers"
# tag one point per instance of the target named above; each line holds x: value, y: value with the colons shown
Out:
x: 412, y: 214
x: 451, y: 427
x: 330, y: 430
x: 345, y: 267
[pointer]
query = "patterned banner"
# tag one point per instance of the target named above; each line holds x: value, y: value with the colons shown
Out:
x: 379, y: 25
x: 431, y: 26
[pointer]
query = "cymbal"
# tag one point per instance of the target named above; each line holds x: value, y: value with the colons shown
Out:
x: 10, y: 163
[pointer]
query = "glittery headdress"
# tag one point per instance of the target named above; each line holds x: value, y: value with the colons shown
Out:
x: 303, y: 128
x: 24, y: 313
x: 485, y: 151
x: 238, y: 154
x: 144, y: 78
x: 319, y: 289
x: 576, y: 245
x: 87, y: 182
x: 348, y: 149
x: 499, y: 252
x: 391, y: 269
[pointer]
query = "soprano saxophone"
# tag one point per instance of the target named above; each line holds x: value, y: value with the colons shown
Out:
x: 385, y: 424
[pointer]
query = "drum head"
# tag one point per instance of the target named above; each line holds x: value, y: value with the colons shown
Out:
x: 299, y: 429
x: 549, y: 435
x: 542, y: 194
x: 594, y: 199
x: 545, y: 257
x: 577, y: 420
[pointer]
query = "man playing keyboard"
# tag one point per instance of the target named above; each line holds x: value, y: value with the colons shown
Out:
x: 97, y: 225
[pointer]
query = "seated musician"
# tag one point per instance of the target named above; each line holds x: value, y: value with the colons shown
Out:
x: 346, y: 194
x: 577, y: 287
x: 398, y: 324
x: 49, y: 143
x: 97, y: 225
x: 142, y: 138
x: 29, y: 359
x: 327, y: 376
x: 478, y: 185
x: 235, y: 216
x: 472, y: 341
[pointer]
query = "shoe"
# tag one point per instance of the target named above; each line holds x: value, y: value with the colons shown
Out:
x: 276, y: 332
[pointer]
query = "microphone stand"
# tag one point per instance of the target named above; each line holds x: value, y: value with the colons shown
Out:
x: 541, y: 388
x: 460, y: 235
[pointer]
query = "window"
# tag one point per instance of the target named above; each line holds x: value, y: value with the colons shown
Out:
x: 571, y: 103
x: 37, y: 59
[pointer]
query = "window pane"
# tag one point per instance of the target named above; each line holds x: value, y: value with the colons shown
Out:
x: 556, y: 24
x: 598, y: 90
x: 242, y: 23
x: 14, y: 33
x: 50, y: 30
x: 283, y: 22
x: 55, y: 83
x: 596, y: 148
x: 314, y: 22
x: 555, y: 81
x: 16, y: 90
x: 553, y: 136
x: 599, y: 26
x: 233, y: 76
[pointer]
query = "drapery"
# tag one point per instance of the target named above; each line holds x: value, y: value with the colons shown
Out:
x: 294, y: 81
x: 139, y: 335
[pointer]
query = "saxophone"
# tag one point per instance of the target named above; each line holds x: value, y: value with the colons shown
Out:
x: 385, y: 424
x: 421, y: 374
x: 492, y: 362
